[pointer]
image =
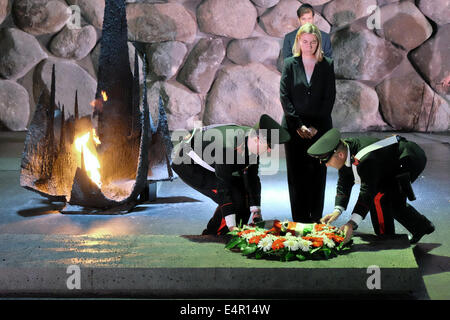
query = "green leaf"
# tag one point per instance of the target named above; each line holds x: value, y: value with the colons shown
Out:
x: 243, y: 244
x: 326, y: 252
x: 233, y: 243
x: 308, y: 228
x: 259, y: 255
x: 248, y: 250
x: 289, y: 256
x: 316, y: 249
x: 300, y: 257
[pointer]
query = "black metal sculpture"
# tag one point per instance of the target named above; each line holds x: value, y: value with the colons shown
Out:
x: 130, y: 146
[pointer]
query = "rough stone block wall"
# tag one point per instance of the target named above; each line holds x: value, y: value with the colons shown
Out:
x: 218, y: 61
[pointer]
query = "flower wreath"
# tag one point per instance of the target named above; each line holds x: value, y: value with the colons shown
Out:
x: 289, y: 241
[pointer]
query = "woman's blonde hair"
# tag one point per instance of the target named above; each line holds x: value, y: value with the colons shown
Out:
x: 311, y: 29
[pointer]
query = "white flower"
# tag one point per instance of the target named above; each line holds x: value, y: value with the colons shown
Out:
x: 266, y: 243
x: 247, y: 236
x: 328, y: 242
x: 291, y: 243
x: 304, y: 245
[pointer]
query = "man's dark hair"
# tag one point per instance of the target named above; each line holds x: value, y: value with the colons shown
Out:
x: 305, y: 8
x: 342, y: 146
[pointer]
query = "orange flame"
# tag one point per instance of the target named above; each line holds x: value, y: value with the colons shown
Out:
x: 87, y: 144
x: 104, y: 96
x: 98, y: 103
x: 95, y: 137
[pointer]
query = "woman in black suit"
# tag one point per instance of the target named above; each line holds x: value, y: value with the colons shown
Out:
x: 307, y: 93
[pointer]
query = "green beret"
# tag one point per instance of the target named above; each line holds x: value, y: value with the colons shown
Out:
x: 326, y: 146
x: 268, y: 124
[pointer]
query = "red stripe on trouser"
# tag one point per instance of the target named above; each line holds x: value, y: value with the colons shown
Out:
x: 379, y: 210
x: 223, y: 224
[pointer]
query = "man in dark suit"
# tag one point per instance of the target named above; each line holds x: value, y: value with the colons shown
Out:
x: 385, y: 169
x: 305, y: 14
x: 221, y: 162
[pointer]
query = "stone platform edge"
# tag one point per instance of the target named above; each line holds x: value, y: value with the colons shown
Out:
x: 203, y: 282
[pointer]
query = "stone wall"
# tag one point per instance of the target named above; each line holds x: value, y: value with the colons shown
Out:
x: 218, y: 61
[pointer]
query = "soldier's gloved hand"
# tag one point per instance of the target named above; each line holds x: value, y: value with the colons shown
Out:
x: 256, y: 214
x: 329, y: 218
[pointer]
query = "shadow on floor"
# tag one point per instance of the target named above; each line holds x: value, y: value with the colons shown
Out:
x: 57, y: 207
x: 48, y: 207
x: 207, y: 238
x: 167, y: 200
x: 430, y: 263
x: 378, y: 243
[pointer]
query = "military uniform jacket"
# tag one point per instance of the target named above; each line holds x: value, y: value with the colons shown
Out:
x: 306, y: 103
x: 231, y: 167
x: 376, y: 170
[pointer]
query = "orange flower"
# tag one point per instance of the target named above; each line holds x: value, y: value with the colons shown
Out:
x: 255, y: 239
x: 330, y: 235
x: 317, y: 244
x: 278, y: 244
x: 312, y: 238
x: 316, y: 241
x: 319, y: 227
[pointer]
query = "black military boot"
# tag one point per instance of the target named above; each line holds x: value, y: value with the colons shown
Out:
x: 429, y: 228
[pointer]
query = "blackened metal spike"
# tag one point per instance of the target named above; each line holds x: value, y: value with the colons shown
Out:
x: 146, y: 110
x: 75, y: 108
x: 62, y: 141
x: 53, y: 93
x: 152, y: 129
x: 51, y: 118
x: 135, y: 98
x: 114, y: 72
x: 163, y: 125
x: 163, y: 128
x: 146, y: 136
x: 169, y: 167
x: 114, y: 75
x: 136, y: 64
x: 144, y: 90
